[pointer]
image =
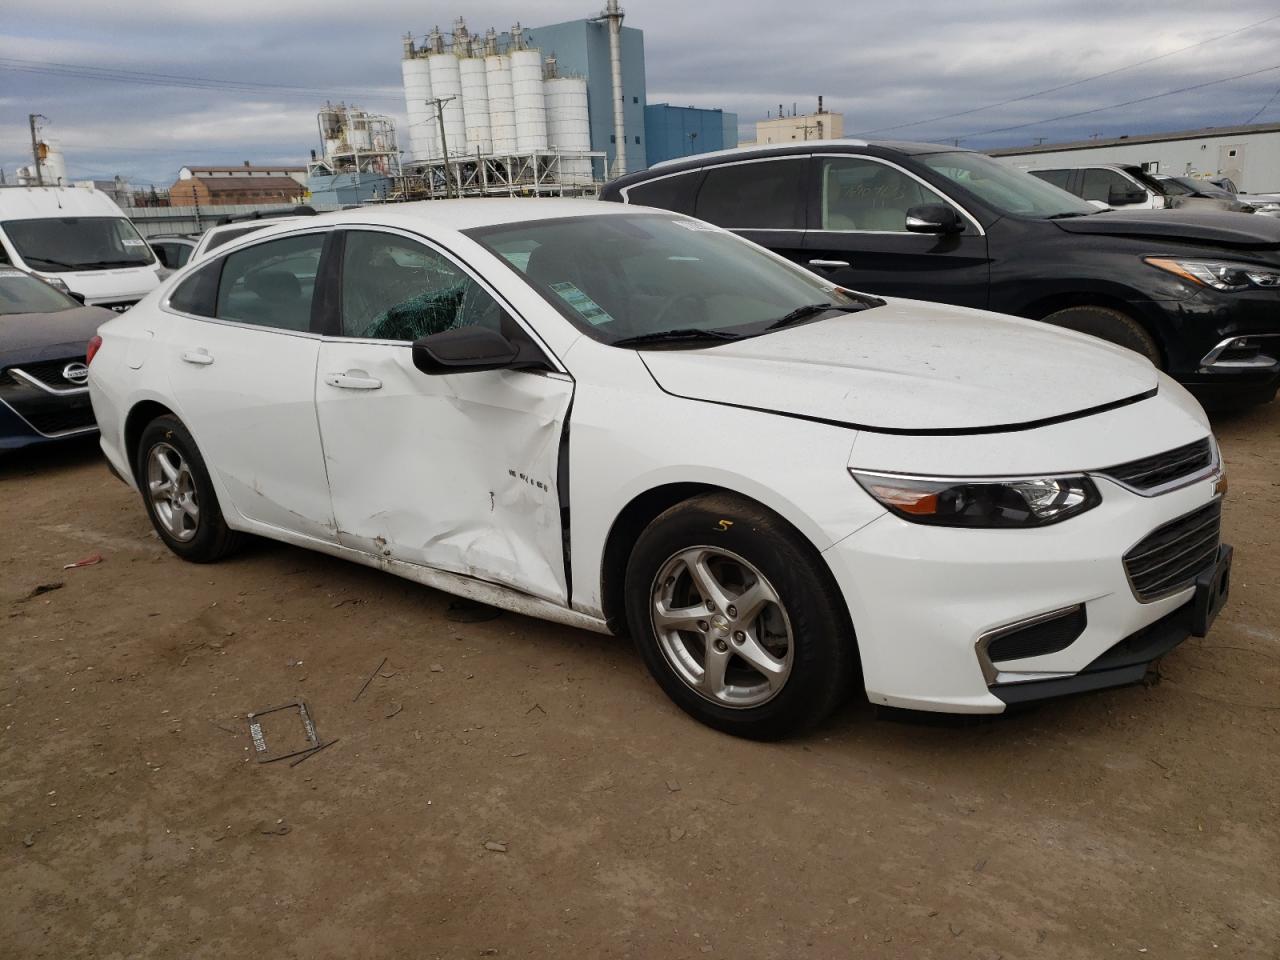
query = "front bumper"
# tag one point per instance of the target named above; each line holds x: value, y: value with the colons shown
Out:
x: 923, y: 598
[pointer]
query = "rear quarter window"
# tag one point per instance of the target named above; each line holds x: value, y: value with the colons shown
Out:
x: 198, y: 294
x: 674, y: 192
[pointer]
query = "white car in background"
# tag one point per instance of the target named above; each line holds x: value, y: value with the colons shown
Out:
x: 222, y: 233
x: 625, y: 419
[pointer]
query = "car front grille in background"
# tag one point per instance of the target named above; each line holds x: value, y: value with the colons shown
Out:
x: 1172, y: 556
x: 119, y: 306
x: 1155, y: 471
x: 51, y: 414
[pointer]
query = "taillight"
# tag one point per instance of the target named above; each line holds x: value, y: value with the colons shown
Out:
x: 92, y: 351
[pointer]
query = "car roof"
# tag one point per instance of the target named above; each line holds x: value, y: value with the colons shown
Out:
x: 801, y: 147
x: 39, y: 203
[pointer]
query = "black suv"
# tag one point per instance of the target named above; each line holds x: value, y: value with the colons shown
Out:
x: 1196, y: 292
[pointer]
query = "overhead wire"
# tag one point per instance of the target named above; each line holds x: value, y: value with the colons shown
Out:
x: 1073, y: 83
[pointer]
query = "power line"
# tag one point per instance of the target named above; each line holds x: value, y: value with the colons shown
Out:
x: 1073, y: 83
x: 1113, y: 106
x: 1263, y: 108
x: 117, y: 75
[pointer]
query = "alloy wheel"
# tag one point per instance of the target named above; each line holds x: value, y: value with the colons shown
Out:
x: 172, y: 490
x: 722, y: 627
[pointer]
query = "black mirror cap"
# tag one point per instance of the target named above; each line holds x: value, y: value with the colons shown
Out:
x: 76, y: 296
x: 933, y: 218
x: 464, y: 350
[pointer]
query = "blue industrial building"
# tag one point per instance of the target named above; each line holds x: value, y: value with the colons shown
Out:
x: 672, y: 132
x: 581, y: 48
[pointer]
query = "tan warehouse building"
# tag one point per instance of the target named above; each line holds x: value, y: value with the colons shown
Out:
x: 245, y: 184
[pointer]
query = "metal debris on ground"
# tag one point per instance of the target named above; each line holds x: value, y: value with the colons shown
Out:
x: 308, y: 753
x: 294, y: 746
x: 470, y: 611
x: 376, y: 671
x: 88, y: 561
x: 398, y: 708
x: 494, y: 847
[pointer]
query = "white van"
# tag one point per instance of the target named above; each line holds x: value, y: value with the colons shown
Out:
x: 78, y: 239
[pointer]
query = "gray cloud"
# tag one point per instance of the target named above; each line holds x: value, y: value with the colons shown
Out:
x: 882, y: 65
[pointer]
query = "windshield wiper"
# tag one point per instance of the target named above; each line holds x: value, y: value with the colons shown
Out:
x: 1067, y: 214
x: 680, y: 335
x: 52, y: 264
x: 102, y: 264
x: 812, y: 310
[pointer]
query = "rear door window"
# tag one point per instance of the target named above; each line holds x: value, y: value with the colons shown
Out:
x: 756, y: 195
x: 271, y: 284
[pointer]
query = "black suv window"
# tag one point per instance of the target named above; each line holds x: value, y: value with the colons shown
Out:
x: 670, y: 193
x: 271, y: 284
x: 760, y: 195
x: 394, y: 288
x: 1058, y: 178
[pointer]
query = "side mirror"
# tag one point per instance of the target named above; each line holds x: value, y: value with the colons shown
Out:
x: 76, y: 296
x: 1123, y: 198
x: 464, y: 350
x: 933, y: 218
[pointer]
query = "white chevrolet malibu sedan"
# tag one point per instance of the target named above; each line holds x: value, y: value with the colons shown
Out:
x: 628, y: 420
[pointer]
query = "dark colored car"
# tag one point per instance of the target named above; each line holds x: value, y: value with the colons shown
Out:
x: 1198, y: 293
x: 44, y: 334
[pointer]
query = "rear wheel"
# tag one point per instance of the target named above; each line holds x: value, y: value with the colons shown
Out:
x: 1110, y: 325
x: 179, y: 495
x: 738, y: 619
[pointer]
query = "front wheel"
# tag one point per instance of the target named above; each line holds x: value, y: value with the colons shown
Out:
x: 738, y: 619
x: 179, y: 495
x: 1110, y: 325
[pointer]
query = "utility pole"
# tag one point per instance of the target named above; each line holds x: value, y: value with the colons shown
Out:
x: 35, y: 146
x: 439, y: 103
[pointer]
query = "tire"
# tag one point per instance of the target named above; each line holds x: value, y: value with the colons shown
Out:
x: 799, y: 630
x: 203, y: 537
x: 1110, y: 325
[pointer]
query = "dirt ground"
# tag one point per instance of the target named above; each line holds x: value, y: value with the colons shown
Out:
x: 519, y: 789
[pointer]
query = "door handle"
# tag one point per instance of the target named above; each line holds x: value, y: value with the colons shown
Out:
x: 829, y: 264
x: 353, y: 380
x: 199, y: 356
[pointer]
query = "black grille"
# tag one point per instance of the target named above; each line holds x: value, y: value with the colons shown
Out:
x: 1151, y: 472
x: 50, y: 371
x: 1173, y: 556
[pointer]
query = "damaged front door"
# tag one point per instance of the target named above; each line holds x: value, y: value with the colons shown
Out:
x: 454, y: 472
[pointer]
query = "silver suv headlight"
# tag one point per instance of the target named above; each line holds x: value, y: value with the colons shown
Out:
x: 1016, y: 502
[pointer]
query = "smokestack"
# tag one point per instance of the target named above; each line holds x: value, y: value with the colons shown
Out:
x: 820, y: 103
x: 613, y: 14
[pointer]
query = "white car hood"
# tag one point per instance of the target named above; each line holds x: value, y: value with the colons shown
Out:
x: 105, y: 286
x: 912, y: 367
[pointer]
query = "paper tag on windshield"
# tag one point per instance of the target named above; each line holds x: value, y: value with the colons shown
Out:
x: 591, y: 311
x: 134, y: 243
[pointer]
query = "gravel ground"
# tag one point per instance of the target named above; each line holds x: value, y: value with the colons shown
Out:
x: 519, y: 789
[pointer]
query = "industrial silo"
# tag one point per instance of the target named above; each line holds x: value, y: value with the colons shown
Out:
x: 530, y: 107
x: 568, y: 126
x: 502, y: 106
x: 422, y: 116
x: 475, y: 106
x: 446, y: 81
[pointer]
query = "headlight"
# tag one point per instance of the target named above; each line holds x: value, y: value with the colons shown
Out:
x: 1030, y: 502
x: 1219, y: 274
x: 56, y: 282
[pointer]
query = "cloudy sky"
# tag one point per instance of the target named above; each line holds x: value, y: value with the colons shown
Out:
x: 915, y: 69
